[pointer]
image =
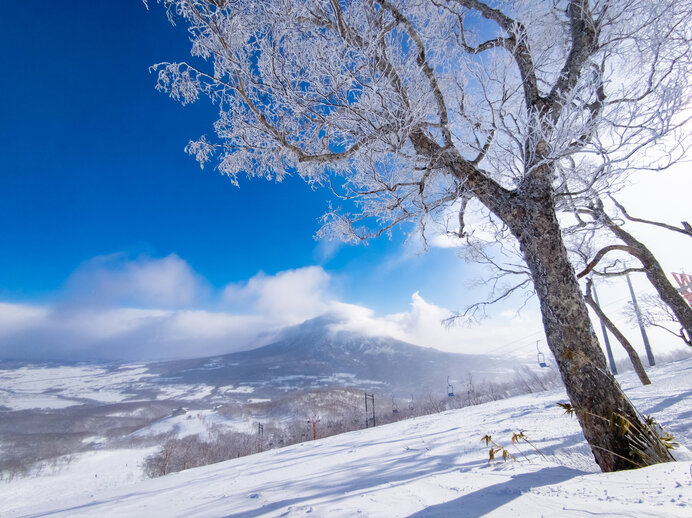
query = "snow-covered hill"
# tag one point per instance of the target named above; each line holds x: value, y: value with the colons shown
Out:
x: 429, y: 466
x: 316, y: 354
x: 309, y: 356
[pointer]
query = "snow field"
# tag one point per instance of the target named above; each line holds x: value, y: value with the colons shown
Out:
x: 429, y: 466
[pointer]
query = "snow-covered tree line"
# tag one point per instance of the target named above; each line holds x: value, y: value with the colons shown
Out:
x: 420, y: 109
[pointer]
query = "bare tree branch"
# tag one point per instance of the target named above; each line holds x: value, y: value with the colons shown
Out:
x: 633, y: 356
x: 686, y: 228
x: 601, y: 253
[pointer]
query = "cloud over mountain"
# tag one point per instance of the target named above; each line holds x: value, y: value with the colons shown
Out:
x: 120, y: 308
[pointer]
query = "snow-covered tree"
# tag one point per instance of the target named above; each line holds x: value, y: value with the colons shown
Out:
x: 416, y: 109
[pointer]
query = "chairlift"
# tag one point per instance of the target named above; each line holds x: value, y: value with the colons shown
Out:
x: 450, y: 388
x: 540, y: 356
x: 395, y: 407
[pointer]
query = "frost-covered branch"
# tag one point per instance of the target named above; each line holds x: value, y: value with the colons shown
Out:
x: 656, y: 313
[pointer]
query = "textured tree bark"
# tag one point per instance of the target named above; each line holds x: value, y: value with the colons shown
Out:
x: 618, y: 436
x: 634, y: 357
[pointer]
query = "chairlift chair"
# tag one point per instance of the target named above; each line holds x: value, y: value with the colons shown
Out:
x: 450, y: 388
x: 540, y: 356
x: 541, y: 360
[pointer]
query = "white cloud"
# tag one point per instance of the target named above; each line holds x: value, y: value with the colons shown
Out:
x: 16, y: 317
x: 136, y: 311
x: 117, y: 308
x: 252, y: 314
x: 445, y: 241
x: 99, y: 324
x: 78, y: 332
x: 290, y: 296
x: 362, y: 320
x: 422, y: 325
x: 116, y: 279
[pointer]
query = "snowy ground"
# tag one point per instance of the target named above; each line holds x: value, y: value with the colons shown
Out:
x: 60, y: 387
x: 197, y: 422
x: 55, y: 387
x: 429, y: 466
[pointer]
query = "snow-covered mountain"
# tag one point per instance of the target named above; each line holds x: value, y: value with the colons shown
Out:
x: 312, y: 355
x: 315, y: 355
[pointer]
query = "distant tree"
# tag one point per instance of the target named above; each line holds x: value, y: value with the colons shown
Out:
x: 426, y: 108
x: 628, y: 243
x: 656, y: 313
x: 161, y: 463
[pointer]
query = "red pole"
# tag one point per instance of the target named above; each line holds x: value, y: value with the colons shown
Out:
x: 314, y: 430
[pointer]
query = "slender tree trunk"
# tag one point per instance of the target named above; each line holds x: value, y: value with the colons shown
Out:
x: 657, y: 276
x: 634, y: 357
x: 618, y: 436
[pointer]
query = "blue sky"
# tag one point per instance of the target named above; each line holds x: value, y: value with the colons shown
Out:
x: 94, y: 164
x: 114, y: 244
x: 93, y: 167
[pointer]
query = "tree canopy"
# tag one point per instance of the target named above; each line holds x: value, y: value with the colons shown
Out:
x: 384, y: 94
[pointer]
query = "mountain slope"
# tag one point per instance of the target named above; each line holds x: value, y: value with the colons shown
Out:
x: 429, y: 466
x: 313, y: 355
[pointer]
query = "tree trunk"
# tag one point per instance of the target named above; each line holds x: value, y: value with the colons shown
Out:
x: 634, y: 357
x: 657, y: 276
x: 618, y: 436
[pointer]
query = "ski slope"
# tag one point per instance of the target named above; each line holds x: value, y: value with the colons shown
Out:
x: 432, y: 466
